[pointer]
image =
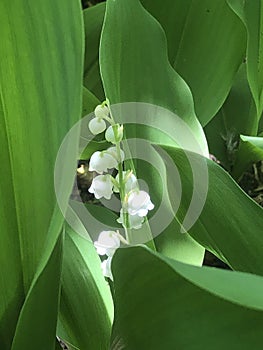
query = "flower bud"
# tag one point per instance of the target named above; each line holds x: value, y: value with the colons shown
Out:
x: 114, y: 133
x: 101, y: 186
x: 97, y: 125
x: 101, y: 111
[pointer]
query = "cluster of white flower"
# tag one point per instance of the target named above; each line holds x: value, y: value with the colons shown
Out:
x: 135, y: 204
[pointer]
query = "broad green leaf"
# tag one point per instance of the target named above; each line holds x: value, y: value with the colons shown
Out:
x: 168, y: 305
x: 135, y: 68
x: 93, y: 20
x: 40, y: 308
x: 12, y: 291
x: 40, y: 88
x: 230, y: 224
x: 251, y: 14
x: 255, y: 141
x: 185, y: 23
x: 168, y: 239
x: 206, y: 41
x: 86, y: 309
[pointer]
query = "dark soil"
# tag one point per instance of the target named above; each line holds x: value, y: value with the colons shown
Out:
x: 89, y: 3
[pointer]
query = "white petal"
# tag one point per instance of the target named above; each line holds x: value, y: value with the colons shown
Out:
x: 101, y: 186
x: 101, y: 112
x: 141, y: 212
x: 100, y: 250
x: 107, y: 243
x: 113, y: 152
x: 97, y: 125
x: 114, y: 133
x: 131, y: 183
x: 135, y: 221
x: 139, y: 203
x: 106, y: 268
x: 150, y: 206
x: 101, y: 162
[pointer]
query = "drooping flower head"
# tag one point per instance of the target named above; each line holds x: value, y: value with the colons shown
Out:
x: 139, y: 203
x: 101, y: 111
x: 102, y: 161
x: 134, y: 221
x: 114, y: 133
x: 101, y: 186
x: 130, y: 182
x: 107, y: 243
x: 97, y: 126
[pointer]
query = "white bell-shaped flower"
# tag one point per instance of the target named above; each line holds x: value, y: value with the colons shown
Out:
x: 107, y: 243
x: 135, y: 221
x: 114, y: 153
x: 130, y: 180
x: 139, y: 203
x: 97, y: 125
x: 106, y: 267
x: 101, y: 111
x: 114, y: 133
x: 101, y: 186
x: 102, y: 161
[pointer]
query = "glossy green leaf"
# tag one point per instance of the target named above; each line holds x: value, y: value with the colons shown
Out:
x: 126, y: 78
x: 169, y: 240
x: 136, y: 68
x: 93, y: 20
x: 206, y: 41
x: 251, y: 14
x: 42, y: 316
x: 40, y: 88
x: 167, y: 304
x: 255, y: 141
x: 230, y: 224
x: 86, y: 309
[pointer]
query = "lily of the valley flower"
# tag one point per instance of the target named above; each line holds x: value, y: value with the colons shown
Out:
x: 139, y: 203
x: 101, y: 111
x: 114, y: 153
x: 106, y: 267
x: 107, y: 243
x: 130, y: 181
x: 102, y: 161
x: 97, y: 125
x: 135, y: 221
x: 101, y: 186
x: 114, y: 133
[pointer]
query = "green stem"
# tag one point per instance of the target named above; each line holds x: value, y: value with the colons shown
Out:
x: 121, y: 178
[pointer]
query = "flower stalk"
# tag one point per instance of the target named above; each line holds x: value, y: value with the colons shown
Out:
x: 135, y: 204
